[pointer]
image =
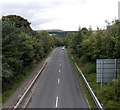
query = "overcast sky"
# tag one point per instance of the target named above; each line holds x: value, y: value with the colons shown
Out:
x: 62, y: 14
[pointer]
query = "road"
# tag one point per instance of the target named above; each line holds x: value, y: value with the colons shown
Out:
x: 58, y: 86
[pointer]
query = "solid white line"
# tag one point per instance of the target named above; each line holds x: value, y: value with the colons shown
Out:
x: 56, y: 105
x: 58, y: 80
x: 20, y: 100
x: 59, y: 70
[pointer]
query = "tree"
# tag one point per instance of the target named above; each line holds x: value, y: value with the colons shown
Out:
x: 19, y: 22
x: 22, y: 47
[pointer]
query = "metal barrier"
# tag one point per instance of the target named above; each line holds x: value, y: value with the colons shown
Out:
x: 90, y: 90
x: 25, y: 93
x: 20, y: 100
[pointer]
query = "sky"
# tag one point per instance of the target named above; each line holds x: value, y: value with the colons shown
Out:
x: 66, y: 15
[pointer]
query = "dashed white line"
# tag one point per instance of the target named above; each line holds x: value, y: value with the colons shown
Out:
x: 58, y: 80
x: 59, y: 70
x: 60, y: 60
x: 60, y: 64
x: 56, y: 104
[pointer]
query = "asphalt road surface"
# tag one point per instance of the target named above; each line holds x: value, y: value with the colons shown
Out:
x: 58, y: 87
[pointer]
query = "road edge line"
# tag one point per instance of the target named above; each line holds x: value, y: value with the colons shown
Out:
x: 20, y: 100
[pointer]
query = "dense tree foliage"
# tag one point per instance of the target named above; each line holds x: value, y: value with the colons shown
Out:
x: 101, y: 44
x: 18, y: 21
x: 21, y: 47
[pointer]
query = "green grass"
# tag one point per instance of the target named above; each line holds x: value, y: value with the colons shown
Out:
x: 88, y: 69
x: 81, y: 81
x: 9, y: 92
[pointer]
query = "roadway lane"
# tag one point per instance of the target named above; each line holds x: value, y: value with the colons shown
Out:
x: 58, y: 87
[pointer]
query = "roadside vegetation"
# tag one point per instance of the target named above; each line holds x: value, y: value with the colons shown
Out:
x: 22, y: 50
x: 81, y: 82
x: 86, y: 46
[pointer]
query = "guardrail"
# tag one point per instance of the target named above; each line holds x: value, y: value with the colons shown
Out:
x: 20, y: 100
x: 90, y: 90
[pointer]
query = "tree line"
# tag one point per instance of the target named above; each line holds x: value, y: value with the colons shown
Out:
x: 100, y: 44
x: 21, y: 48
x: 87, y: 46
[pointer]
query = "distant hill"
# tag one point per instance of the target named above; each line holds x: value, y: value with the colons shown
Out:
x: 51, y: 30
x: 58, y: 32
x: 62, y: 33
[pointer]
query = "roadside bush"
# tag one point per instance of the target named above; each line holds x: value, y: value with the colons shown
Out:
x: 110, y: 94
x: 89, y: 68
x: 83, y: 59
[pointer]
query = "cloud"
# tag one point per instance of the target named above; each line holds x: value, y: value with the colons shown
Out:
x: 22, y: 9
x: 62, y: 14
x: 34, y: 10
x: 37, y: 23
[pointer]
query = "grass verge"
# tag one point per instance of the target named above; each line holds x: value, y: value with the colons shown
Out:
x: 9, y: 92
x: 81, y: 81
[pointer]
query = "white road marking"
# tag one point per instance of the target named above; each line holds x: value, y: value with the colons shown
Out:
x: 59, y: 70
x: 56, y: 105
x: 60, y: 64
x: 60, y: 60
x: 58, y: 80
